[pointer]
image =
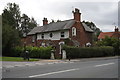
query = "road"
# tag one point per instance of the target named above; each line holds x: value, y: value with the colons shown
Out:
x: 106, y: 68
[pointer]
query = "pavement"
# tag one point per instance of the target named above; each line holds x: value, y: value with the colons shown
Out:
x: 105, y: 67
x: 10, y: 64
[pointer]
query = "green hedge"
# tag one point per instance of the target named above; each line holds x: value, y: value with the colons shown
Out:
x: 16, y: 51
x: 34, y: 52
x: 88, y: 52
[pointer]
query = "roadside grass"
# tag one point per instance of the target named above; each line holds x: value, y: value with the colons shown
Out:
x: 16, y: 59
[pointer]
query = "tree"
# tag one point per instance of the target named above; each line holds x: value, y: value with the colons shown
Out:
x: 14, y: 11
x: 107, y: 41
x: 24, y: 24
x: 32, y: 24
x: 13, y: 28
x: 10, y: 24
x: 110, y: 41
x: 54, y: 21
x: 10, y: 38
x: 27, y: 24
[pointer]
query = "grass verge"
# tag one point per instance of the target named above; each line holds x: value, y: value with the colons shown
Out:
x: 16, y: 59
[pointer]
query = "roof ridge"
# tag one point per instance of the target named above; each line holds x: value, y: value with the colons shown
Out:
x: 62, y: 21
x: 107, y: 32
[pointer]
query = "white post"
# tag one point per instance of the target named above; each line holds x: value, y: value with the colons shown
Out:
x: 52, y: 55
x: 60, y: 49
x: 64, y: 54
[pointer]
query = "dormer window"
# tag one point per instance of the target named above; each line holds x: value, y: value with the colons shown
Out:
x: 73, y: 31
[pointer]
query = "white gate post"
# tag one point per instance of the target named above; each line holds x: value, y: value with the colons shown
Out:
x: 64, y: 54
x: 52, y: 54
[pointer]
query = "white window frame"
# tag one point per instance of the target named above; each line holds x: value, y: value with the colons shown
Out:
x: 62, y: 33
x: 33, y: 38
x: 50, y: 35
x: 42, y: 36
x: 74, y: 31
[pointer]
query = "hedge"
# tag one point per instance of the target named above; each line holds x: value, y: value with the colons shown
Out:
x: 88, y: 52
x: 34, y: 52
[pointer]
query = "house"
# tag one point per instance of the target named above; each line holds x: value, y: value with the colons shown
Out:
x: 115, y: 34
x: 71, y: 32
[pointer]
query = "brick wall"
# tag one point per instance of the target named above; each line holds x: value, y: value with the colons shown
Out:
x: 82, y: 36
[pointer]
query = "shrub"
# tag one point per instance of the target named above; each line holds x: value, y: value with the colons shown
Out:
x: 16, y: 51
x: 87, y: 52
x: 34, y: 52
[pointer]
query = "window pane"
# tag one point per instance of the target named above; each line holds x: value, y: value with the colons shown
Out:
x: 33, y: 38
x: 51, y: 35
x: 42, y: 36
x: 62, y: 34
x: 74, y: 31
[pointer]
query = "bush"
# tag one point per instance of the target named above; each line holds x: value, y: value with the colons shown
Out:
x: 17, y: 51
x: 34, y: 52
x: 88, y: 52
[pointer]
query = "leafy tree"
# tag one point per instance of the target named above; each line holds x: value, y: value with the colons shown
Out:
x: 27, y: 24
x: 107, y: 41
x: 10, y: 24
x: 32, y: 24
x: 10, y: 38
x: 13, y: 27
x: 53, y: 21
x: 24, y: 24
x: 14, y: 11
x: 110, y: 41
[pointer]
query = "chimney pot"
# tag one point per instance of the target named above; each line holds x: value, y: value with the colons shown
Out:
x: 116, y: 29
x: 77, y: 15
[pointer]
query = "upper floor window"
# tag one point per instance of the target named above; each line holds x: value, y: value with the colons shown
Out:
x: 51, y: 35
x: 62, y: 34
x: 73, y: 31
x: 42, y: 36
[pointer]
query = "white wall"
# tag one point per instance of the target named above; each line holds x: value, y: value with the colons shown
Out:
x: 56, y: 35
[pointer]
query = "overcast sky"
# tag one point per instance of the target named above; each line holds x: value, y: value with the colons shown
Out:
x: 103, y: 14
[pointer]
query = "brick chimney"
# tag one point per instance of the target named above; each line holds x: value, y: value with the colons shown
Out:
x: 77, y: 15
x: 45, y: 21
x: 116, y: 29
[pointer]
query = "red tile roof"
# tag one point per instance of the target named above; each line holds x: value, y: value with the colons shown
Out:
x: 104, y: 34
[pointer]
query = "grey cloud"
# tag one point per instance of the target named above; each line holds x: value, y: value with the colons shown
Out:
x: 104, y: 13
x: 101, y: 13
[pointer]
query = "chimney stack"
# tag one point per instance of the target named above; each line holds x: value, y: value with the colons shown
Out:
x: 45, y: 21
x: 77, y: 15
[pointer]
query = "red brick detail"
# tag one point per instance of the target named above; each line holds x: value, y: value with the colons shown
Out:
x: 109, y: 34
x: 45, y: 21
x: 54, y: 43
x: 28, y: 41
x: 77, y: 15
x: 82, y: 36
